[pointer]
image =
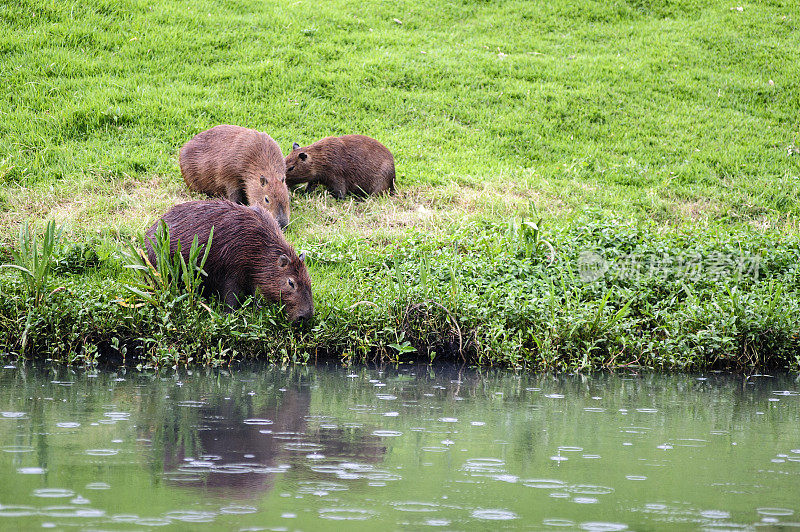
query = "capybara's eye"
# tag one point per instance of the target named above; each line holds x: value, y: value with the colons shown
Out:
x: 266, y: 199
x: 290, y: 168
x: 291, y: 283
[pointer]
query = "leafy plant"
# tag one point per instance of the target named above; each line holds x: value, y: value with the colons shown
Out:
x: 76, y: 259
x: 527, y: 236
x: 402, y: 346
x: 35, y: 267
x: 173, y: 278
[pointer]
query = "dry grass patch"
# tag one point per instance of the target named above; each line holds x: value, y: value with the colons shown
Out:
x: 702, y: 209
x: 422, y: 208
x: 86, y: 208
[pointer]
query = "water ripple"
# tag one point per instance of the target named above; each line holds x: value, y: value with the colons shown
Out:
x: 192, y: 404
x: 257, y: 421
x: 565, y: 448
x: 416, y: 506
x: 484, y: 465
x: 543, y: 483
x: 387, y: 433
x: 53, y: 493
x: 600, y: 526
x: 346, y: 514
x: 153, y: 521
x: 494, y: 514
x: 589, y: 489
x: 191, y: 516
x: 101, y: 452
x: 31, y: 470
x: 17, y: 449
x: 71, y: 511
x: 320, y: 487
x: 559, y: 523
x: 302, y: 446
x: 775, y: 512
x: 434, y: 449
x: 17, y: 511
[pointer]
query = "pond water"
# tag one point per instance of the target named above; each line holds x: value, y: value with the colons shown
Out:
x: 260, y: 448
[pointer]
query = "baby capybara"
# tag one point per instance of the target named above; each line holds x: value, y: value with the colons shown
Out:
x: 352, y: 164
x: 243, y: 165
x: 249, y: 254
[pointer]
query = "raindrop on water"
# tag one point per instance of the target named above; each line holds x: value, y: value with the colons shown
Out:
x: 31, y: 470
x: 494, y: 514
x: 53, y: 493
x: 598, y: 526
x: 257, y: 421
x: 386, y: 433
x: 101, y: 452
x: 775, y: 512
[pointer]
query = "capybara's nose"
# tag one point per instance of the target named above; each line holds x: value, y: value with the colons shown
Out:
x: 283, y: 221
x: 305, y: 316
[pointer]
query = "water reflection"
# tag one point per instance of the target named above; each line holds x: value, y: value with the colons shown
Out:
x: 414, y: 447
x: 241, y: 444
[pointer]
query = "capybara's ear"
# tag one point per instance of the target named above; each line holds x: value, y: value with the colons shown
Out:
x: 295, y: 146
x: 302, y: 256
x: 283, y: 261
x: 303, y: 155
x: 263, y: 181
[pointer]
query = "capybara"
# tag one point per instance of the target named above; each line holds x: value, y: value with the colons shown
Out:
x: 249, y: 254
x: 243, y: 165
x: 352, y: 164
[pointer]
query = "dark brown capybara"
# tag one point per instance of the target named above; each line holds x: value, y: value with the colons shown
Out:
x: 249, y: 254
x: 243, y: 165
x: 352, y: 164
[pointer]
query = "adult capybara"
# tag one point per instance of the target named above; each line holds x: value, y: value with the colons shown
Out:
x: 352, y: 164
x: 249, y: 254
x: 243, y: 165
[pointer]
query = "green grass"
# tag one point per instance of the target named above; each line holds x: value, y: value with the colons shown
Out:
x: 677, y: 118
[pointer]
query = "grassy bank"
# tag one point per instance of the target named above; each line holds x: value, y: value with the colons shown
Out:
x: 658, y: 141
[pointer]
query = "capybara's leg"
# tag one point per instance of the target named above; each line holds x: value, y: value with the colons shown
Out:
x: 230, y: 292
x: 237, y: 195
x: 338, y: 189
x: 311, y: 186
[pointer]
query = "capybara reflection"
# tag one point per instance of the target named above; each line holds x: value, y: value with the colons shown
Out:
x: 242, y: 443
x: 243, y: 165
x: 249, y: 254
x: 352, y: 164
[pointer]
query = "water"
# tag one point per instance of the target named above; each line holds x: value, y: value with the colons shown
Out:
x: 416, y: 448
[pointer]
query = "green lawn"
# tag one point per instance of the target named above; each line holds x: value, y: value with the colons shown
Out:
x: 671, y: 125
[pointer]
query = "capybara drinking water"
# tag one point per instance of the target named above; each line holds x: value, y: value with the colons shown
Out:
x: 352, y: 164
x: 249, y: 254
x: 243, y: 165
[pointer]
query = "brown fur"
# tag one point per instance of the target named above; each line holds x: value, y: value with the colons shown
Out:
x: 243, y: 165
x: 248, y: 254
x: 352, y: 164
